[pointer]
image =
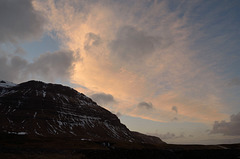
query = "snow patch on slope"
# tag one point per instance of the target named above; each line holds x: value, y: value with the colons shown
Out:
x: 18, y: 133
x: 6, y: 84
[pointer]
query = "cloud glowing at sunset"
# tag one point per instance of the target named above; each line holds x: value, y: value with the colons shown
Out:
x: 154, y: 60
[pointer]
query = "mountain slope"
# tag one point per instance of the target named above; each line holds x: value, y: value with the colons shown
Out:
x: 38, y: 109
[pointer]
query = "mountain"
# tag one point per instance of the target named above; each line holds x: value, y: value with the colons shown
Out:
x: 39, y: 120
x: 35, y: 109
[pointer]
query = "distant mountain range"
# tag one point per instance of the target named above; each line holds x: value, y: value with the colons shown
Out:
x: 38, y: 109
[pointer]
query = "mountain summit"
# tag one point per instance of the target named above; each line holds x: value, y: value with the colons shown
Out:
x: 35, y: 108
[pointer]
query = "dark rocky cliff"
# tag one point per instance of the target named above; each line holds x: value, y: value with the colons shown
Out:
x: 35, y: 108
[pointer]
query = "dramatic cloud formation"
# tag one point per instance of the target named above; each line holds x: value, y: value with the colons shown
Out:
x: 176, y: 54
x: 160, y: 51
x: 48, y: 67
x: 19, y: 21
x: 145, y: 105
x: 231, y: 128
x: 175, y: 109
x: 103, y: 99
x: 137, y: 50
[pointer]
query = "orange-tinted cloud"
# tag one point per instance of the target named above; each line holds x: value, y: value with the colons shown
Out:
x: 136, y: 53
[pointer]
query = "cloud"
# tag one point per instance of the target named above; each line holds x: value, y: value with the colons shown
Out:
x: 234, y: 82
x: 231, y: 128
x: 103, y: 99
x: 145, y: 105
x: 136, y: 51
x: 12, y: 68
x: 19, y: 21
x: 175, y: 109
x: 132, y: 45
x: 19, y: 51
x: 52, y: 66
x: 118, y: 114
x: 169, y: 135
x: 48, y: 67
x: 91, y: 40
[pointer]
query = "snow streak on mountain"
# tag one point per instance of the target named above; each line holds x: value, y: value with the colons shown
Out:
x: 35, y: 108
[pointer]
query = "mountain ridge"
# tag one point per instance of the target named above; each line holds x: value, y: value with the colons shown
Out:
x: 39, y: 120
x: 36, y: 108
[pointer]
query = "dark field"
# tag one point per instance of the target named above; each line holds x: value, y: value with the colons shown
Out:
x: 15, y: 146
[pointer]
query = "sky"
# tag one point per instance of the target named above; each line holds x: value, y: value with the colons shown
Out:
x: 166, y: 68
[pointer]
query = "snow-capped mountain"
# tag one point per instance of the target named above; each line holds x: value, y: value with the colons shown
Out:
x: 35, y: 108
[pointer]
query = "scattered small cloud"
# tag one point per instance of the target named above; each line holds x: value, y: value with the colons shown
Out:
x: 103, y: 99
x: 234, y: 82
x: 169, y: 135
x: 145, y: 105
x: 118, y: 114
x: 175, y: 109
x: 180, y: 136
x: 231, y: 128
